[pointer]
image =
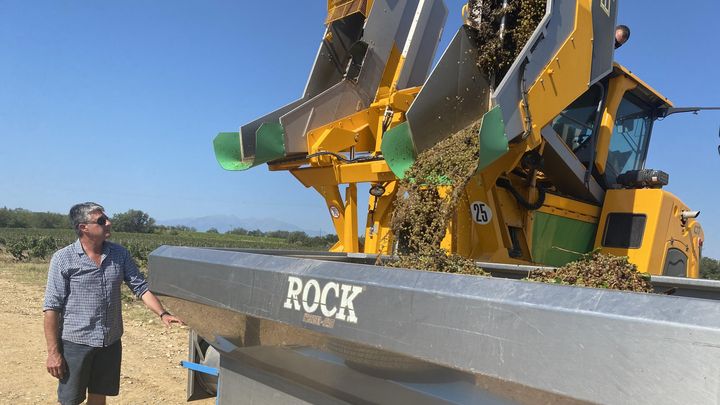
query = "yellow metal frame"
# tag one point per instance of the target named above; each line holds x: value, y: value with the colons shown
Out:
x: 664, y: 228
x: 562, y: 81
x: 357, y: 133
x: 565, y: 78
x: 616, y: 91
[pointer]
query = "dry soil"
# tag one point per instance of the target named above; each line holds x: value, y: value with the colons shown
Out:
x: 151, y: 373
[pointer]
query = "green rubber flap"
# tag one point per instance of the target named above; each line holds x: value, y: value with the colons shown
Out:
x: 398, y: 150
x: 227, y: 151
x: 269, y: 145
x: 493, y: 141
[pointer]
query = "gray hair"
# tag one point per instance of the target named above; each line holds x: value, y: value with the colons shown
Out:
x: 80, y: 213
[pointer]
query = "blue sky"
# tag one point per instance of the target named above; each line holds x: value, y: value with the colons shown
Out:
x: 118, y: 102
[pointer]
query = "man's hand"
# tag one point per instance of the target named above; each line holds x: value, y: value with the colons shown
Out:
x: 168, y: 320
x: 154, y: 305
x: 56, y: 365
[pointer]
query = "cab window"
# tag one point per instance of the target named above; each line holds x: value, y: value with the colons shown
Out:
x: 629, y: 142
x: 576, y: 124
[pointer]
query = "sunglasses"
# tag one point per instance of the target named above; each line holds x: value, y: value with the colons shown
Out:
x: 102, y: 220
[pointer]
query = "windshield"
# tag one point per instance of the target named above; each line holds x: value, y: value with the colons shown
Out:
x: 628, y: 145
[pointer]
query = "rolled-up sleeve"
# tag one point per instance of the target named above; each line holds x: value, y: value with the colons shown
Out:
x: 57, y: 288
x: 133, y: 278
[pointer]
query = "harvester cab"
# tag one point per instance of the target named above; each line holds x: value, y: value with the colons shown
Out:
x: 563, y: 131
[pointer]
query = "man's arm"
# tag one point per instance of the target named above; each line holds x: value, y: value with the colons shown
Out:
x: 154, y: 304
x: 138, y: 285
x: 55, y: 361
x: 55, y: 296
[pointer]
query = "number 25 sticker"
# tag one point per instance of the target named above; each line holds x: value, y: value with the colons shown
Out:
x: 480, y: 212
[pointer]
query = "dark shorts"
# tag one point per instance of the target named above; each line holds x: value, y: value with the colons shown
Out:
x: 89, y: 369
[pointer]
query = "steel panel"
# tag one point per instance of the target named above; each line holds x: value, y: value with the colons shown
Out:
x: 388, y: 22
x: 325, y: 72
x: 454, y: 96
x: 244, y: 384
x: 423, y: 42
x: 307, y: 374
x: 566, y: 171
x: 582, y: 343
x: 604, y: 19
x: 553, y: 30
x: 341, y: 100
x: 387, y: 25
x: 248, y: 138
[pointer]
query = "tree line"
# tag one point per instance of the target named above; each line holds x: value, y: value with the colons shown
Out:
x: 710, y: 268
x: 22, y: 218
x: 137, y: 221
x: 131, y: 221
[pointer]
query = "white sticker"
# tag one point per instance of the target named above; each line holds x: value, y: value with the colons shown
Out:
x: 605, y: 5
x: 334, y: 211
x: 480, y: 212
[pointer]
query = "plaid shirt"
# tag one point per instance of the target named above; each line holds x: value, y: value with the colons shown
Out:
x: 88, y: 296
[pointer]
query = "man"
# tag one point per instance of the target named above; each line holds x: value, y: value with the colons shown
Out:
x: 82, y: 309
x: 622, y: 35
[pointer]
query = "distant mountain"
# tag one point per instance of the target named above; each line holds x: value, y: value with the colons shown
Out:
x: 224, y: 223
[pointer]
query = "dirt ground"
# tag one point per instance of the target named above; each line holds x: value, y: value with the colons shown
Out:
x: 151, y: 373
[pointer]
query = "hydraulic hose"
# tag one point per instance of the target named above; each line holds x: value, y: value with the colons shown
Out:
x: 506, y: 184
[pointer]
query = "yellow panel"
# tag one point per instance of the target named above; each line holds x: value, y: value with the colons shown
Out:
x: 334, y: 140
x: 619, y: 85
x: 336, y: 208
x: 642, y: 83
x: 316, y: 176
x: 509, y: 208
x: 569, y: 208
x: 698, y: 237
x: 401, y: 100
x: 391, y: 73
x: 489, y: 242
x: 363, y: 172
x: 350, y: 225
x: 472, y: 240
x: 663, y: 228
x: 363, y: 124
x: 378, y: 238
x: 566, y: 77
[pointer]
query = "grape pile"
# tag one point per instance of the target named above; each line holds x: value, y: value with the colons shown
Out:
x: 497, y: 54
x: 422, y: 214
x: 598, y: 270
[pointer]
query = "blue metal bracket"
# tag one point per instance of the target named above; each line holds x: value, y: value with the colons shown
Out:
x: 200, y: 368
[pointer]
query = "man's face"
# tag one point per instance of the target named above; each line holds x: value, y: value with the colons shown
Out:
x: 620, y: 37
x: 98, y: 226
